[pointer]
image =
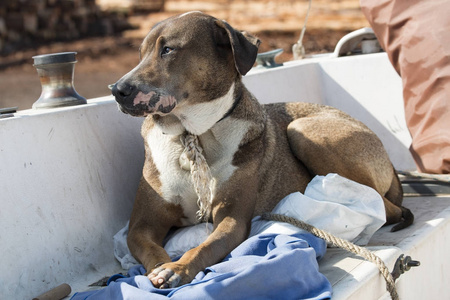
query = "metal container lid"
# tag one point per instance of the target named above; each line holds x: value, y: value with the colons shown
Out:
x: 54, y: 58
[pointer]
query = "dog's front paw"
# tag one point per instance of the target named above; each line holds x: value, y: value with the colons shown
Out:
x: 164, y: 277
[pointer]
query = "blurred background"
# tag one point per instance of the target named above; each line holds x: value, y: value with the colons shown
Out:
x: 106, y: 34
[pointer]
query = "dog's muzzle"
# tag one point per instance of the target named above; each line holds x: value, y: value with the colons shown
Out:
x: 142, y: 101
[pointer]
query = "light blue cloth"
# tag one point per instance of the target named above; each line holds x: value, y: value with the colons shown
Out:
x: 266, y: 266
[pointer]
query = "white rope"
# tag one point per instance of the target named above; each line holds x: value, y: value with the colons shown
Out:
x: 298, y: 49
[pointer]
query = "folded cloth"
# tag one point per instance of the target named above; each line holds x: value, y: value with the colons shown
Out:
x: 342, y: 207
x: 265, y: 266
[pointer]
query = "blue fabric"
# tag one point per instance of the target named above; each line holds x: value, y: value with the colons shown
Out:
x: 265, y: 266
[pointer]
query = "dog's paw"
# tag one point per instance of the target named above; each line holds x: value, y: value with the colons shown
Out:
x: 164, y: 278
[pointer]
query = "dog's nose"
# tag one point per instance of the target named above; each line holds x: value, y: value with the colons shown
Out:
x: 122, y: 90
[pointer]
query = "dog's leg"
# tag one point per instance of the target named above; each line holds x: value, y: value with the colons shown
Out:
x: 147, y: 229
x: 225, y: 237
x: 232, y: 212
x: 332, y: 143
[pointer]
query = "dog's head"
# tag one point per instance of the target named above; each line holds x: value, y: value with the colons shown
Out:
x: 184, y: 60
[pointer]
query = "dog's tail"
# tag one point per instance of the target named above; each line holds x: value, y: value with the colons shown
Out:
x: 407, y: 219
x: 395, y: 196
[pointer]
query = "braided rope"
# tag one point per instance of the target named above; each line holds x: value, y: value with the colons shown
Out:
x: 200, y: 174
x: 341, y: 243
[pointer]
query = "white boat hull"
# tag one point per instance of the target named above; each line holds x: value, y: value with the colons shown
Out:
x: 69, y: 176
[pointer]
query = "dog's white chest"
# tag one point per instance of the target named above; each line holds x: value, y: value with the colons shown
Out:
x: 176, y: 184
x: 219, y: 147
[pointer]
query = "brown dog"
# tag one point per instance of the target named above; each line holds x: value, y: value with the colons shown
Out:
x: 189, y: 81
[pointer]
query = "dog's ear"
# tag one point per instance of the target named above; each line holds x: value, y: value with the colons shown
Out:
x: 244, y: 47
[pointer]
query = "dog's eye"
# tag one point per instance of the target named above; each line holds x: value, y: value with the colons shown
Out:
x: 166, y: 50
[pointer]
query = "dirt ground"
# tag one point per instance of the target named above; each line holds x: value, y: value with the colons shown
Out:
x: 102, y: 61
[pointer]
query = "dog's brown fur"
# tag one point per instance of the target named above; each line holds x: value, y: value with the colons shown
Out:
x: 189, y: 80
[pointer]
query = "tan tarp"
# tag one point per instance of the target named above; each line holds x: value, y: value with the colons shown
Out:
x: 416, y: 36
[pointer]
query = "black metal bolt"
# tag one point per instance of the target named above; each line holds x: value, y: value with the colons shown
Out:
x: 402, y: 265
